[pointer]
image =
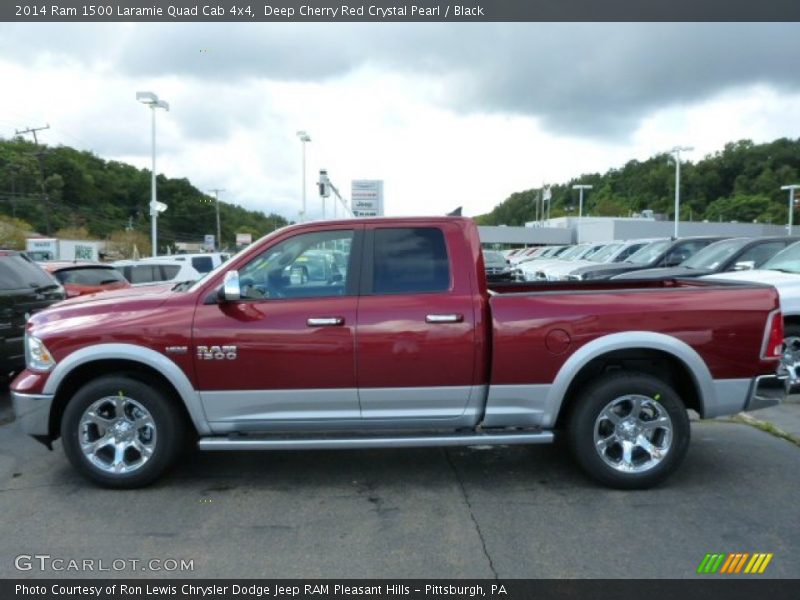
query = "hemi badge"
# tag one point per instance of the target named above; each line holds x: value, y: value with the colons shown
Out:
x: 177, y: 349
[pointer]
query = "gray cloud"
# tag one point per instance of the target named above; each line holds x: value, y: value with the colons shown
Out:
x: 594, y: 79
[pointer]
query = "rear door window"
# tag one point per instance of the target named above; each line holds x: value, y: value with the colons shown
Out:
x: 203, y: 264
x: 410, y: 261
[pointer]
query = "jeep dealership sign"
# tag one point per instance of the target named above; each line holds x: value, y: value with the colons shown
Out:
x: 367, y: 197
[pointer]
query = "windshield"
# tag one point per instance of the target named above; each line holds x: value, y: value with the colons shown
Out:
x: 588, y: 252
x: 713, y: 255
x: 649, y: 253
x: 17, y: 272
x: 494, y: 258
x: 196, y: 284
x: 606, y: 253
x: 787, y: 260
x: 572, y: 251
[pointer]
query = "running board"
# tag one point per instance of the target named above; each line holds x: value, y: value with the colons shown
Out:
x: 340, y: 443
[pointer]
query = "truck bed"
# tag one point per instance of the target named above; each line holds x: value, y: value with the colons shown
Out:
x: 722, y: 321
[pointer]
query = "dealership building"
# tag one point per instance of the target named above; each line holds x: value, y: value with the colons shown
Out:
x: 569, y: 230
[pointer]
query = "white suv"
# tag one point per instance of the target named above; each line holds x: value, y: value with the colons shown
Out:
x: 153, y: 270
x: 202, y: 262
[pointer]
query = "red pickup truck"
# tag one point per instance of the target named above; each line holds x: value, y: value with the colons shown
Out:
x: 383, y: 333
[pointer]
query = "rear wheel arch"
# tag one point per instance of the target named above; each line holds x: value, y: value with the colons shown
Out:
x: 658, y: 354
x: 657, y: 363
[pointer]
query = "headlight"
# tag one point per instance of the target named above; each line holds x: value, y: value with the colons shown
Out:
x: 37, y: 356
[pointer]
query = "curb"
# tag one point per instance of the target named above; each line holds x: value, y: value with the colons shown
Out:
x: 766, y: 427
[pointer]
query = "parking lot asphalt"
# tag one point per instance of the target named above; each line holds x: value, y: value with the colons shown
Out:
x: 510, y: 512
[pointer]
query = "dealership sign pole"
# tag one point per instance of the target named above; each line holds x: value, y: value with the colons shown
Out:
x: 791, y: 189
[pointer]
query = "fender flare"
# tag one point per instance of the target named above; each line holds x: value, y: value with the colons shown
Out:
x: 688, y: 356
x: 138, y: 354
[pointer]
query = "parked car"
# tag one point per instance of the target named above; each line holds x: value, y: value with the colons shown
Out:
x: 542, y: 253
x: 497, y: 268
x: 539, y: 271
x: 412, y: 348
x: 737, y: 254
x: 79, y: 278
x: 782, y: 271
x: 662, y: 253
x: 612, y: 253
x: 24, y: 289
x: 201, y: 262
x: 151, y: 271
x: 316, y: 266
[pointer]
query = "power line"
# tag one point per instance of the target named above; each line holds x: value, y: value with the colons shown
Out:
x: 32, y: 130
x: 40, y: 155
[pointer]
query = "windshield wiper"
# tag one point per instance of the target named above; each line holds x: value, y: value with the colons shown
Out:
x: 181, y: 286
x: 784, y: 271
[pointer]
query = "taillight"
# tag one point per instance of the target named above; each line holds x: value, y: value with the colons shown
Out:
x: 772, y: 349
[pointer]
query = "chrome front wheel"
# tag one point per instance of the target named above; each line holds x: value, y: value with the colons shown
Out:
x: 121, y: 432
x: 117, y: 434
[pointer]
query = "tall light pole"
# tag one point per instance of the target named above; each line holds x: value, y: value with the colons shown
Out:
x: 581, y: 187
x: 676, y: 152
x: 219, y: 229
x: 151, y: 100
x: 791, y: 189
x: 304, y: 137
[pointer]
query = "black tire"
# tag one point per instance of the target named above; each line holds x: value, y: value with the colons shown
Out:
x: 168, y: 429
x: 620, y: 389
x: 791, y: 337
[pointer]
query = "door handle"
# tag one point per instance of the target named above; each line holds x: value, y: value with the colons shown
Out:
x: 444, y: 318
x: 325, y: 321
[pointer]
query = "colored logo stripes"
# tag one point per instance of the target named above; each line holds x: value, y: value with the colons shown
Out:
x: 734, y: 562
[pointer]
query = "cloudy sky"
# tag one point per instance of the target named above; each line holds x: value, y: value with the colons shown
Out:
x: 446, y: 114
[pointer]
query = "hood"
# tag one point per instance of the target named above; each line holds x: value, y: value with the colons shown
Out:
x: 92, y: 309
x: 663, y: 273
x: 778, y: 279
x: 787, y: 284
x: 607, y: 270
x: 116, y: 295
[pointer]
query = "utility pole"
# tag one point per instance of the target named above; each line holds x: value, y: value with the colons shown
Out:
x: 40, y: 156
x: 676, y: 152
x: 791, y: 189
x: 219, y: 229
x: 304, y: 138
x: 153, y: 102
x: 580, y: 187
x: 33, y: 131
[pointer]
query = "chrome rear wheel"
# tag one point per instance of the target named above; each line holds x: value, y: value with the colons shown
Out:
x: 633, y: 433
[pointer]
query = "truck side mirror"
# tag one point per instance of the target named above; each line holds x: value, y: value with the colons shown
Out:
x: 230, y: 290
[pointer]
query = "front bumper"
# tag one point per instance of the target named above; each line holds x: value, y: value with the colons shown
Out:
x: 766, y: 391
x: 33, y: 412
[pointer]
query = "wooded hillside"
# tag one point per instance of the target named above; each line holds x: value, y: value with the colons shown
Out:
x: 85, y: 192
x: 740, y: 183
